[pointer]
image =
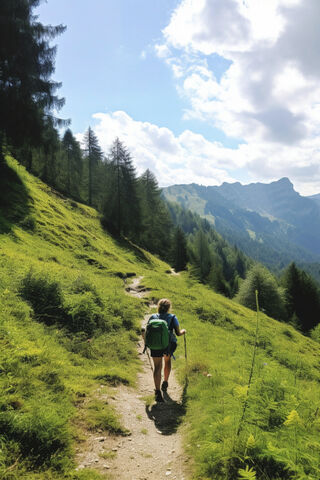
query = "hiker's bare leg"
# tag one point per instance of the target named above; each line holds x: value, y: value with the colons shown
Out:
x: 167, y: 367
x: 157, y: 361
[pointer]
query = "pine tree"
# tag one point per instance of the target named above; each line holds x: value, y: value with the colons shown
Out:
x: 27, y: 94
x: 179, y: 250
x: 73, y: 166
x: 200, y: 256
x: 94, y: 157
x: 302, y: 298
x: 121, y: 212
x: 217, y: 280
x: 156, y: 225
x: 270, y: 296
x: 50, y: 148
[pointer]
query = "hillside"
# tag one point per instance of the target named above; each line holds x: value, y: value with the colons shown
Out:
x: 270, y: 222
x: 53, y: 361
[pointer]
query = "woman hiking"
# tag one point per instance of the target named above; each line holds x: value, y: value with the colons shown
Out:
x: 164, y: 306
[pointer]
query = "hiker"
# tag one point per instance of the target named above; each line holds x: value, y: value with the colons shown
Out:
x: 164, y: 306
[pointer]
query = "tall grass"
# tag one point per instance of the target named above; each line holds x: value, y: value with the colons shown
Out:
x: 51, y: 365
x: 247, y: 376
x: 66, y: 325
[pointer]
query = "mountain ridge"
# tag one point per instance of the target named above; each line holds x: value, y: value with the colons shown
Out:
x: 272, y: 216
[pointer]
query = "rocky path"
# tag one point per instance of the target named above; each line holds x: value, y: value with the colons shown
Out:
x: 153, y: 450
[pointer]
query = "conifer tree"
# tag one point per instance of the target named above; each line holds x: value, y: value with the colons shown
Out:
x: 121, y: 212
x: 156, y: 225
x: 270, y: 296
x: 302, y: 298
x: 217, y: 280
x: 73, y: 164
x: 179, y: 250
x: 50, y: 147
x: 27, y: 94
x: 200, y: 256
x: 94, y: 157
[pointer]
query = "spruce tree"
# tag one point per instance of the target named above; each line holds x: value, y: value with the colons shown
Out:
x: 200, y: 256
x: 50, y: 147
x: 27, y: 94
x: 73, y: 167
x: 271, y: 299
x: 121, y: 212
x: 156, y: 225
x: 94, y: 157
x: 302, y: 298
x: 179, y: 250
x: 217, y: 280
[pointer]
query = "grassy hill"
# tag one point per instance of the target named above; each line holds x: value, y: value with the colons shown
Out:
x: 67, y: 326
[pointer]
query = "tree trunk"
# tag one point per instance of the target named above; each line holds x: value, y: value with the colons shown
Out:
x: 2, y: 161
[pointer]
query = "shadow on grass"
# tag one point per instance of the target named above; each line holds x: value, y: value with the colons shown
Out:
x: 169, y: 415
x: 124, y: 242
x: 14, y: 200
x: 138, y: 252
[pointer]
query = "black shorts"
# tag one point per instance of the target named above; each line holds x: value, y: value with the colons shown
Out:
x: 167, y: 351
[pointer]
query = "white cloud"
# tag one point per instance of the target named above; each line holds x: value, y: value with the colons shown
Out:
x: 269, y: 95
x: 162, y: 50
x: 189, y: 157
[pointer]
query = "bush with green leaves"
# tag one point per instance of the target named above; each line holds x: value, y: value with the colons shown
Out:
x: 45, y: 297
x: 271, y: 297
x: 40, y: 434
x: 87, y: 315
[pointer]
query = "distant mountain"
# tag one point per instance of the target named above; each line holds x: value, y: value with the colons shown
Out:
x: 270, y: 222
x: 315, y: 198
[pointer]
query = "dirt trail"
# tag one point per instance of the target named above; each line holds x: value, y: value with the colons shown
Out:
x: 153, y: 450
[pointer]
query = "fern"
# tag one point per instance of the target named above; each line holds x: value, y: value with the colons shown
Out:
x: 251, y: 442
x: 247, y: 474
x: 292, y: 419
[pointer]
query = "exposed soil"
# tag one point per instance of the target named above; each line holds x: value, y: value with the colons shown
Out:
x: 153, y: 449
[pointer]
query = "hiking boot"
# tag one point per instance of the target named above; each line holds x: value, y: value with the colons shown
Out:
x: 164, y: 386
x: 158, y: 396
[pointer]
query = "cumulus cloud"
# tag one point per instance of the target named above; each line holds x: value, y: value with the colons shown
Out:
x: 268, y: 96
x: 190, y: 157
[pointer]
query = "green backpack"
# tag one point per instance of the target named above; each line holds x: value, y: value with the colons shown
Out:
x: 157, y: 334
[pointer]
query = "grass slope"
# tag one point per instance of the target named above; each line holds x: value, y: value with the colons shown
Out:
x: 49, y: 370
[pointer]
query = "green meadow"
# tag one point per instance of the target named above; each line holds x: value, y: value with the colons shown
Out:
x: 68, y: 326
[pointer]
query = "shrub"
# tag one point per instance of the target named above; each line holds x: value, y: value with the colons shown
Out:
x: 271, y: 298
x: 315, y: 333
x: 28, y: 223
x: 86, y: 314
x: 45, y: 297
x: 82, y: 286
x: 41, y: 434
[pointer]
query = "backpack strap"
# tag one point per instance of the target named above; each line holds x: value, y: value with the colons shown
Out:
x: 170, y: 326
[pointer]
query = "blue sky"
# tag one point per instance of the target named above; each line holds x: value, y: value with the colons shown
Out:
x: 106, y: 61
x: 99, y: 59
x: 200, y: 91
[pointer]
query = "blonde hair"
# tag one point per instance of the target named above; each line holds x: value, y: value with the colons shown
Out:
x: 164, y: 305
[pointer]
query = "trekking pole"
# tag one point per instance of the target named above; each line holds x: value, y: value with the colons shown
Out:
x: 186, y: 379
